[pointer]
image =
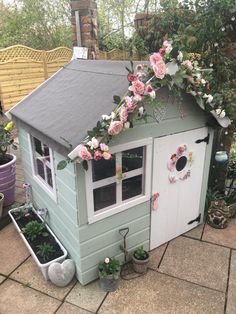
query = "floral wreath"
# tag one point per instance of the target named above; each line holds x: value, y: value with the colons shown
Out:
x: 169, y: 67
x: 179, y: 164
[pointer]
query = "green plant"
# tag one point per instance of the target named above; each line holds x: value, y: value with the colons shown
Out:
x: 34, y: 229
x: 140, y: 253
x: 20, y: 213
x: 6, y: 140
x: 110, y: 266
x: 45, y: 250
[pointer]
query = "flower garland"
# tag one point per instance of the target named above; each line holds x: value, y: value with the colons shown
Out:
x: 169, y: 67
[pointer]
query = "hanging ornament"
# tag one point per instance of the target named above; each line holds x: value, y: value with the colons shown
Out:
x: 221, y: 157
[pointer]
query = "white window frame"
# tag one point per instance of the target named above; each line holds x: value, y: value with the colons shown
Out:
x: 145, y: 171
x: 51, y: 191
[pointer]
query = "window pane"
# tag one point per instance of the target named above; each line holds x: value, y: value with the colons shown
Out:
x: 104, y: 196
x: 38, y: 146
x: 131, y: 187
x: 132, y: 159
x: 103, y: 169
x: 40, y: 168
x: 49, y: 176
x: 46, y: 152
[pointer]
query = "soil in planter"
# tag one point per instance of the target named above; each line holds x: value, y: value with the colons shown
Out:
x: 39, y: 239
x: 5, y: 160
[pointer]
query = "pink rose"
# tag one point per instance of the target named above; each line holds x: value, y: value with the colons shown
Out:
x: 181, y: 149
x: 97, y: 155
x: 162, y: 51
x: 148, y: 89
x: 167, y: 46
x: 84, y: 153
x: 106, y: 155
x: 104, y: 147
x: 160, y: 69
x: 137, y: 87
x: 154, y: 58
x: 138, y: 98
x: 129, y: 103
x: 188, y: 64
x: 123, y: 115
x: 115, y: 127
x: 132, y: 77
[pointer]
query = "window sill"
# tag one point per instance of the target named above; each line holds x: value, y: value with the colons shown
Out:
x: 118, y: 209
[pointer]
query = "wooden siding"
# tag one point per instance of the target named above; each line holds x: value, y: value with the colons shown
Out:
x: 62, y: 217
x: 22, y: 69
x: 101, y: 239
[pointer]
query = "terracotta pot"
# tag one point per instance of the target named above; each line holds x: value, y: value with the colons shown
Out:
x: 140, y: 266
x: 1, y: 203
x: 8, y: 180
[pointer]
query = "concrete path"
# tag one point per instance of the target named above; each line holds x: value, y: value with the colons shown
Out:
x: 194, y: 273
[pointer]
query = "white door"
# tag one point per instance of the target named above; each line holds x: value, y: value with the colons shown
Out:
x: 178, y: 165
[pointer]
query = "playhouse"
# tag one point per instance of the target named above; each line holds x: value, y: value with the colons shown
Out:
x: 155, y: 184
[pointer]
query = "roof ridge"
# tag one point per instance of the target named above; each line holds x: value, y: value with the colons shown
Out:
x: 94, y: 72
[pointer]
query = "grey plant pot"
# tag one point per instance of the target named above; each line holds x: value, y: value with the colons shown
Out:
x: 1, y: 204
x: 108, y: 284
x: 140, y: 266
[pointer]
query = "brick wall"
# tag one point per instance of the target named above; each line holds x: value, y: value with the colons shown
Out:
x: 88, y: 25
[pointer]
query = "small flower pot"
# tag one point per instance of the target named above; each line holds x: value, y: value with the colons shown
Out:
x: 108, y: 283
x: 140, y: 265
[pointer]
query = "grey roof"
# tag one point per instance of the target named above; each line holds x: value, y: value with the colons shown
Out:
x: 73, y: 100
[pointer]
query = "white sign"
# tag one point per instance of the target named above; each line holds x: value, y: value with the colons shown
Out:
x: 80, y: 53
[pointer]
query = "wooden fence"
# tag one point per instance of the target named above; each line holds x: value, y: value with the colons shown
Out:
x: 22, y: 69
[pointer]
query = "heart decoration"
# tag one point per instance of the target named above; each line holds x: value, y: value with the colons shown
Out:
x: 61, y: 274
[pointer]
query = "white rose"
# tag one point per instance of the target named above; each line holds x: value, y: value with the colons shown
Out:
x: 180, y: 56
x: 105, y: 117
x: 220, y: 113
x: 141, y: 110
x: 113, y: 115
x: 107, y: 260
x: 127, y: 125
x: 203, y: 81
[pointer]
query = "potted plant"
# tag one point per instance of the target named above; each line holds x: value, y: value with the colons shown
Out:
x: 109, y: 274
x: 140, y: 260
x: 42, y: 243
x: 7, y: 164
x: 1, y: 203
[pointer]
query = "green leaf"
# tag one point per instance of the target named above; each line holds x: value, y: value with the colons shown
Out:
x: 116, y: 99
x: 85, y: 165
x: 128, y: 70
x: 61, y: 165
x: 91, y: 133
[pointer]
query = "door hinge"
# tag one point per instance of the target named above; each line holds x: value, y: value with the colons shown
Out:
x: 195, y: 220
x: 205, y: 139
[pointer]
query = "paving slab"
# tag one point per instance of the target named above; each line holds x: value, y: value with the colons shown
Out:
x: 195, y: 233
x: 199, y: 262
x: 2, y: 278
x: 161, y: 294
x: 156, y: 256
x: 29, y: 273
x: 226, y: 237
x: 12, y: 249
x: 68, y: 308
x: 231, y: 300
x: 87, y: 297
x: 18, y: 299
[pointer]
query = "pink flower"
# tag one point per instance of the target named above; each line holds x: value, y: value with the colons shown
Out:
x: 162, y: 51
x: 181, y: 149
x: 149, y: 90
x: 104, y: 147
x: 190, y: 79
x: 115, y: 127
x: 188, y: 64
x: 138, y: 98
x: 160, y: 69
x: 129, y: 103
x: 155, y: 58
x: 132, y: 77
x: 167, y: 46
x: 137, y: 87
x: 106, y: 155
x: 84, y: 153
x: 123, y: 115
x: 97, y: 155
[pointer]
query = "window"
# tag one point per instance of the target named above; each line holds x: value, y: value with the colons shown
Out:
x: 43, y: 165
x: 121, y: 182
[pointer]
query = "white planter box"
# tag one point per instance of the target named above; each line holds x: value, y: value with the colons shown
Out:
x: 43, y: 267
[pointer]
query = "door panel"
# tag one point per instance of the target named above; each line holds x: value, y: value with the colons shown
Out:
x: 178, y: 202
